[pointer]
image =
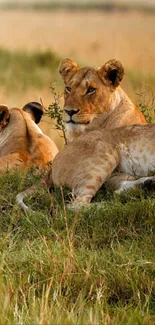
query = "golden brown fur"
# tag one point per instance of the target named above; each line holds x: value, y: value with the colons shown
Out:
x: 93, y: 100
x: 88, y: 162
x: 92, y: 93
x: 22, y: 143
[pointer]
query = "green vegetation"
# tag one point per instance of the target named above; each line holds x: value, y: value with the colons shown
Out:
x: 138, y: 78
x: 20, y: 70
x: 91, y: 267
x: 146, y: 103
x: 80, y: 5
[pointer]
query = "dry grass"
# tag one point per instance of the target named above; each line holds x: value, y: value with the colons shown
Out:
x: 89, y: 37
x: 93, y: 267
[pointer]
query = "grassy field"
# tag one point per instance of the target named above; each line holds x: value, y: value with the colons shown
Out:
x: 89, y: 37
x: 32, y: 44
x: 110, y: 5
x: 57, y: 267
x: 91, y: 267
x: 28, y: 76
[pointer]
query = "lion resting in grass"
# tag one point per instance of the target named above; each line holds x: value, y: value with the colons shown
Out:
x: 95, y: 95
x: 93, y: 98
x: 88, y: 162
x: 22, y: 143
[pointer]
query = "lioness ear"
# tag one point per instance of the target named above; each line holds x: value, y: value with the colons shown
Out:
x: 4, y: 115
x: 67, y: 68
x: 112, y: 72
x: 35, y: 109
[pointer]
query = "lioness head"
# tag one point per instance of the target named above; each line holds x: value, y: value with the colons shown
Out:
x: 35, y: 110
x: 4, y: 116
x: 88, y: 91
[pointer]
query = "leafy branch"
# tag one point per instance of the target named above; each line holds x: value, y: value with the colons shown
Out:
x: 146, y: 103
x: 55, y: 112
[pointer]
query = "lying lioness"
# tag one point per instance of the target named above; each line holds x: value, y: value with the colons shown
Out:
x: 93, y: 98
x: 88, y: 162
x: 22, y: 143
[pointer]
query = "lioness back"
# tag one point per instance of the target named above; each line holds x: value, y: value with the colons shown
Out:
x: 22, y: 143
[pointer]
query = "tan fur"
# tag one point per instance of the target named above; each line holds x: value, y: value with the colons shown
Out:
x: 22, y: 143
x: 108, y: 100
x: 107, y: 107
x: 88, y: 162
x: 93, y: 100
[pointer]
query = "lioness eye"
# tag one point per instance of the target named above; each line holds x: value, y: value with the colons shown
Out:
x: 68, y: 89
x: 90, y: 90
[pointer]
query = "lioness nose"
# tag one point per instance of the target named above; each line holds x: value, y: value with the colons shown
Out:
x: 71, y: 112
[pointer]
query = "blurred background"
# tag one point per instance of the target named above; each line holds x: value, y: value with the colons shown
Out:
x: 36, y: 35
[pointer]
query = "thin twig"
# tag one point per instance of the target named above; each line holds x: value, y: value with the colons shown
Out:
x: 55, y: 112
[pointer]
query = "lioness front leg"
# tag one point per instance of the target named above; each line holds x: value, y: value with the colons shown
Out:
x: 117, y: 179
x: 85, y: 194
x: 128, y: 184
x: 121, y: 182
x: 88, y: 184
x: 81, y: 200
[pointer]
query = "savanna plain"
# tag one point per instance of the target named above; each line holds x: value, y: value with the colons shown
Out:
x: 95, y: 266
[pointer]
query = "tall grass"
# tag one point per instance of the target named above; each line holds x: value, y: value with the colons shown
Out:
x: 91, y: 267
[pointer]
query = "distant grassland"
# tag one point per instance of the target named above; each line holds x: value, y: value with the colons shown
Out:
x: 27, y: 76
x: 89, y: 37
x: 22, y: 70
x: 81, y: 5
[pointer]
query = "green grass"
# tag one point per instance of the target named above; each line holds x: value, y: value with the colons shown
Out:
x: 136, y: 78
x: 21, y: 70
x: 91, y: 267
x: 76, y: 5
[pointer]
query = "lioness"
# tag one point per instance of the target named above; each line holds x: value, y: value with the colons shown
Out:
x: 93, y: 99
x: 22, y: 143
x: 95, y: 93
x: 88, y: 162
